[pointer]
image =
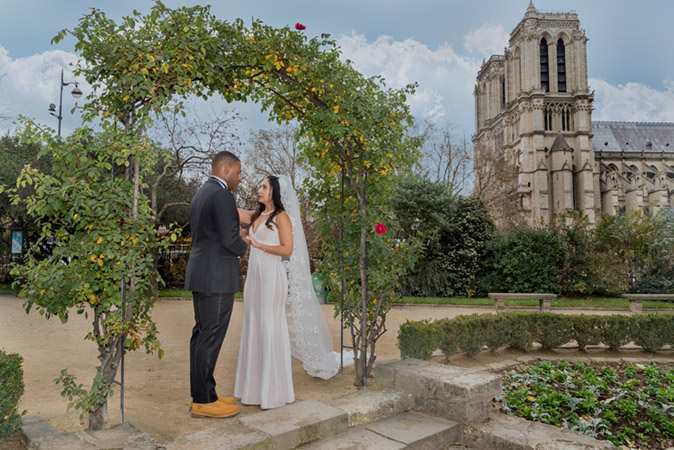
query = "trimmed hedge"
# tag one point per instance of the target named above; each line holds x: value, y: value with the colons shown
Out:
x: 11, y: 390
x: 520, y: 330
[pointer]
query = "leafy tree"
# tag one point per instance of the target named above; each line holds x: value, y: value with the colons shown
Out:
x: 102, y: 240
x: 523, y: 259
x: 15, y: 154
x: 454, y: 232
x: 628, y: 251
x: 626, y: 238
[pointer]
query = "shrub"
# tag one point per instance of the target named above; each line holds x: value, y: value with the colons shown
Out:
x: 11, y: 390
x: 551, y: 330
x: 417, y: 339
x: 586, y: 330
x: 469, y: 333
x: 651, y: 331
x: 615, y: 330
x: 446, y: 330
x: 655, y: 284
x: 495, y: 330
x: 520, y: 329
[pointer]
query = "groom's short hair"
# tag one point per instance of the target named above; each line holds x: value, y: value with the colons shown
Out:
x: 223, y: 159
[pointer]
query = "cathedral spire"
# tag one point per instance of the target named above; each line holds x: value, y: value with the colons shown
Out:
x: 531, y: 10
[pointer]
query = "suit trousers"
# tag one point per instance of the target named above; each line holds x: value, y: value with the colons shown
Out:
x: 211, y: 316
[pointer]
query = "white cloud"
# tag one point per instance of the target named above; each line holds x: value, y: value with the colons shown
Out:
x: 632, y: 102
x: 445, y: 78
x: 489, y: 39
x: 28, y: 85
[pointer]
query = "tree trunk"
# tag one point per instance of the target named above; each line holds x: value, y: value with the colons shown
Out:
x: 110, y: 357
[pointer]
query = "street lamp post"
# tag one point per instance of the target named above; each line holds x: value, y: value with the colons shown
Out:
x: 76, y: 92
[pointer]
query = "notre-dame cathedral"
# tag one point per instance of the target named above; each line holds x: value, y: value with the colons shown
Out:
x: 537, y: 151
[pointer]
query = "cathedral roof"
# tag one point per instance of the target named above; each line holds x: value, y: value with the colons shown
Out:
x: 633, y: 137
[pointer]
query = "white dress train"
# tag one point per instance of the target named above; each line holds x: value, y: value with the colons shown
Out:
x: 264, y: 369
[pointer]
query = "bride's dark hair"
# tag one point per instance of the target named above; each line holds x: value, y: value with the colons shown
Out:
x: 276, y: 200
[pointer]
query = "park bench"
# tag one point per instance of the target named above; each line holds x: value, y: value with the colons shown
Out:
x: 500, y: 297
x: 636, y: 300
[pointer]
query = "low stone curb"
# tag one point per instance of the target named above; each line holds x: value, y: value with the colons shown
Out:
x: 38, y: 434
x: 513, y: 433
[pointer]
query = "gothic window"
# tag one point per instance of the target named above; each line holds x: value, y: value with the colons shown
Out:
x: 566, y: 118
x: 561, y: 66
x: 545, y: 76
x: 547, y: 118
x: 503, y: 94
x: 574, y: 188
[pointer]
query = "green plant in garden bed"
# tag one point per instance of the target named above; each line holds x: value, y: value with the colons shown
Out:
x: 631, y: 405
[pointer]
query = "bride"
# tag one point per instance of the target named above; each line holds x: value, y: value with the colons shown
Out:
x: 281, y: 316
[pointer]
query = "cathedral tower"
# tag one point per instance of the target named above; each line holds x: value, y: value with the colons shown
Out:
x: 533, y: 140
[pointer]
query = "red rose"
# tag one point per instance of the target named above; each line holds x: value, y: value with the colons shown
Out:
x: 300, y: 27
x: 380, y: 228
x: 250, y: 80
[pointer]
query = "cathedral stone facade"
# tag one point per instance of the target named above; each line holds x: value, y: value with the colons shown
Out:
x: 537, y: 152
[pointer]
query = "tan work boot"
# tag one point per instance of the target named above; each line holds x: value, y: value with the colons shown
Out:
x: 216, y: 410
x: 223, y: 400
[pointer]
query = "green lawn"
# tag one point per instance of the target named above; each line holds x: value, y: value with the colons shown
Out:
x: 6, y: 289
x: 179, y: 293
x: 590, y: 302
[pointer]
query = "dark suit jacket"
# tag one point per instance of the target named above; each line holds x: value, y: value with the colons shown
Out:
x: 213, y: 266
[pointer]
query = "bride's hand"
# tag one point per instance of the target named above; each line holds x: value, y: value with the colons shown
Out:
x: 252, y: 242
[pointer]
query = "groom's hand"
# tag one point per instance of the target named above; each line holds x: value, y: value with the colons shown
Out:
x: 243, y: 232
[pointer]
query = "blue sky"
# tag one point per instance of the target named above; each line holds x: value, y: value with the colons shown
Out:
x: 438, y: 43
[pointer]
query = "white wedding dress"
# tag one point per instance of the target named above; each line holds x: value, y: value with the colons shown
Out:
x: 264, y: 370
x: 282, y: 317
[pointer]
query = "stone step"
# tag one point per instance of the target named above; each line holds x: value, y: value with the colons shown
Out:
x: 298, y: 424
x: 403, y: 431
x: 367, y: 406
x: 455, y: 393
x: 282, y: 428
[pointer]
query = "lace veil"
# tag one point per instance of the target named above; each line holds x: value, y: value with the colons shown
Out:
x: 310, y: 338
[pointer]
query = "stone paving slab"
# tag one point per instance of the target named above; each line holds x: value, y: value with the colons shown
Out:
x: 124, y: 436
x: 299, y: 423
x: 370, y: 405
x: 226, y: 435
x: 418, y: 431
x: 357, y: 439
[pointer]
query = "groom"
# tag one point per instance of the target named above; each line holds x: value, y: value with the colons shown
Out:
x: 212, y: 276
